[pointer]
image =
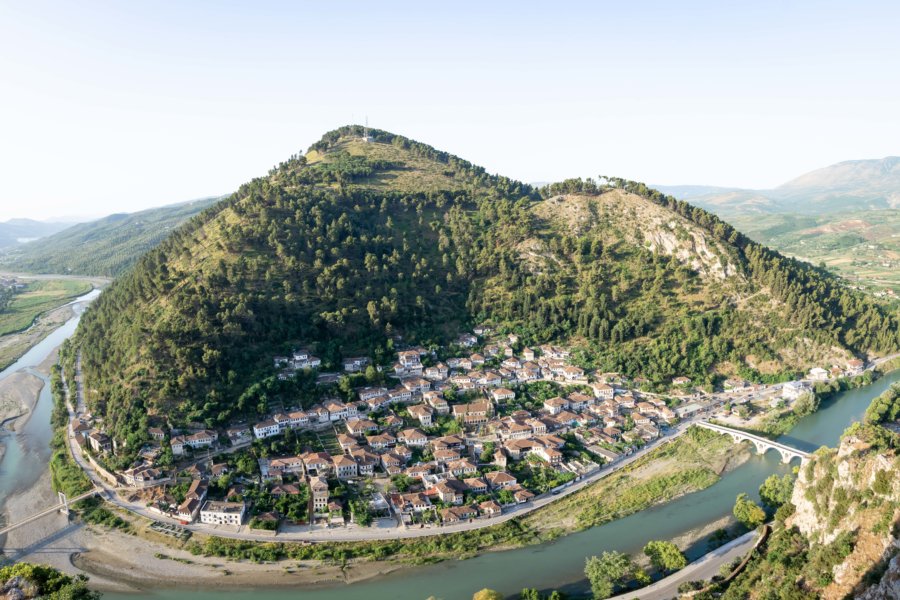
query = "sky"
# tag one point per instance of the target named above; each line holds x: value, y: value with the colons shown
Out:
x: 119, y: 106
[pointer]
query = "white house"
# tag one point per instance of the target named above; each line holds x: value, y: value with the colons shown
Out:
x: 266, y: 428
x: 794, y: 389
x: 223, y: 513
x: 818, y: 374
x: 356, y: 363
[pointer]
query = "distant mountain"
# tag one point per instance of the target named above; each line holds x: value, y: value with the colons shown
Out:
x: 844, y: 216
x: 871, y: 184
x: 106, y: 246
x: 693, y: 191
x: 20, y: 231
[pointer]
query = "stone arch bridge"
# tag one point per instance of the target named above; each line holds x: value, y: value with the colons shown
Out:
x: 761, y: 444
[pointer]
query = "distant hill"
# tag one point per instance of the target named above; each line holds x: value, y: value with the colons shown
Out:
x: 18, y: 231
x: 849, y: 185
x: 845, y: 216
x: 692, y: 191
x: 106, y: 246
x: 852, y: 185
x: 357, y: 246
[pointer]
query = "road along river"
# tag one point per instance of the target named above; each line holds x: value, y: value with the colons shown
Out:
x: 560, y: 564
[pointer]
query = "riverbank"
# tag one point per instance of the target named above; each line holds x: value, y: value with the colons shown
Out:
x: 145, y: 559
x: 557, y: 565
x: 18, y: 394
x: 113, y: 559
x: 34, y: 315
x: 118, y: 561
x: 692, y: 462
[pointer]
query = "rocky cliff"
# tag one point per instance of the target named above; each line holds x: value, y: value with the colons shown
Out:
x: 849, y: 499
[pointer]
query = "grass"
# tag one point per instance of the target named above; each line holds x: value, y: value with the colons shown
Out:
x: 37, y: 298
x: 688, y: 464
x: 92, y: 511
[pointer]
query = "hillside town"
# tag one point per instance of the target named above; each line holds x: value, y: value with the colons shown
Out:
x: 445, y: 437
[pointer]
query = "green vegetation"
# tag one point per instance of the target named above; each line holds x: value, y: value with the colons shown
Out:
x: 643, y: 494
x: 611, y: 571
x: 65, y: 476
x: 412, y: 550
x: 858, y: 245
x: 46, y: 582
x: 93, y: 511
x: 536, y: 475
x: 107, y: 246
x: 781, y: 421
x: 38, y: 297
x: 691, y: 462
x: 533, y: 594
x: 356, y: 243
x: 791, y: 567
x: 665, y: 556
x: 885, y: 408
x: 748, y: 513
x: 776, y: 491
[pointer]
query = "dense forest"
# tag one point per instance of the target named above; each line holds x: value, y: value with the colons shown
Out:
x: 105, y: 247
x: 356, y: 247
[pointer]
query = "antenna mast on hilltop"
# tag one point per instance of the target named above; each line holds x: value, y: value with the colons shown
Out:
x: 366, y: 137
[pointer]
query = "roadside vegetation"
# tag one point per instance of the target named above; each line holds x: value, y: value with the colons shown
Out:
x: 65, y: 476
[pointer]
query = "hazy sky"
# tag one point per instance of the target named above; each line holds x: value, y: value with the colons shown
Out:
x: 118, y: 106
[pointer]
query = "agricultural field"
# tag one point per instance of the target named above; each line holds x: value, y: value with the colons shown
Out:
x: 38, y: 297
x: 863, y: 246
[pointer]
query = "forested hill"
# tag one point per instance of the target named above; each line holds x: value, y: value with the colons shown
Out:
x: 103, y: 247
x: 353, y: 244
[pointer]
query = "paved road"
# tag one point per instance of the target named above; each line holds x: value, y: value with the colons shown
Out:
x: 354, y: 533
x: 703, y: 568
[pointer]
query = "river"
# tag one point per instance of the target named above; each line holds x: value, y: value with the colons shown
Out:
x: 28, y: 450
x: 560, y: 564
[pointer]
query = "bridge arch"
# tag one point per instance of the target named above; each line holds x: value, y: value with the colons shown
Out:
x: 761, y: 444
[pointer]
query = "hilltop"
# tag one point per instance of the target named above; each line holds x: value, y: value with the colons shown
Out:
x: 104, y: 247
x: 357, y: 247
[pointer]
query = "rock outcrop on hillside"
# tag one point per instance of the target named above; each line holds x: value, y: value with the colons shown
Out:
x: 889, y: 585
x: 853, y: 494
